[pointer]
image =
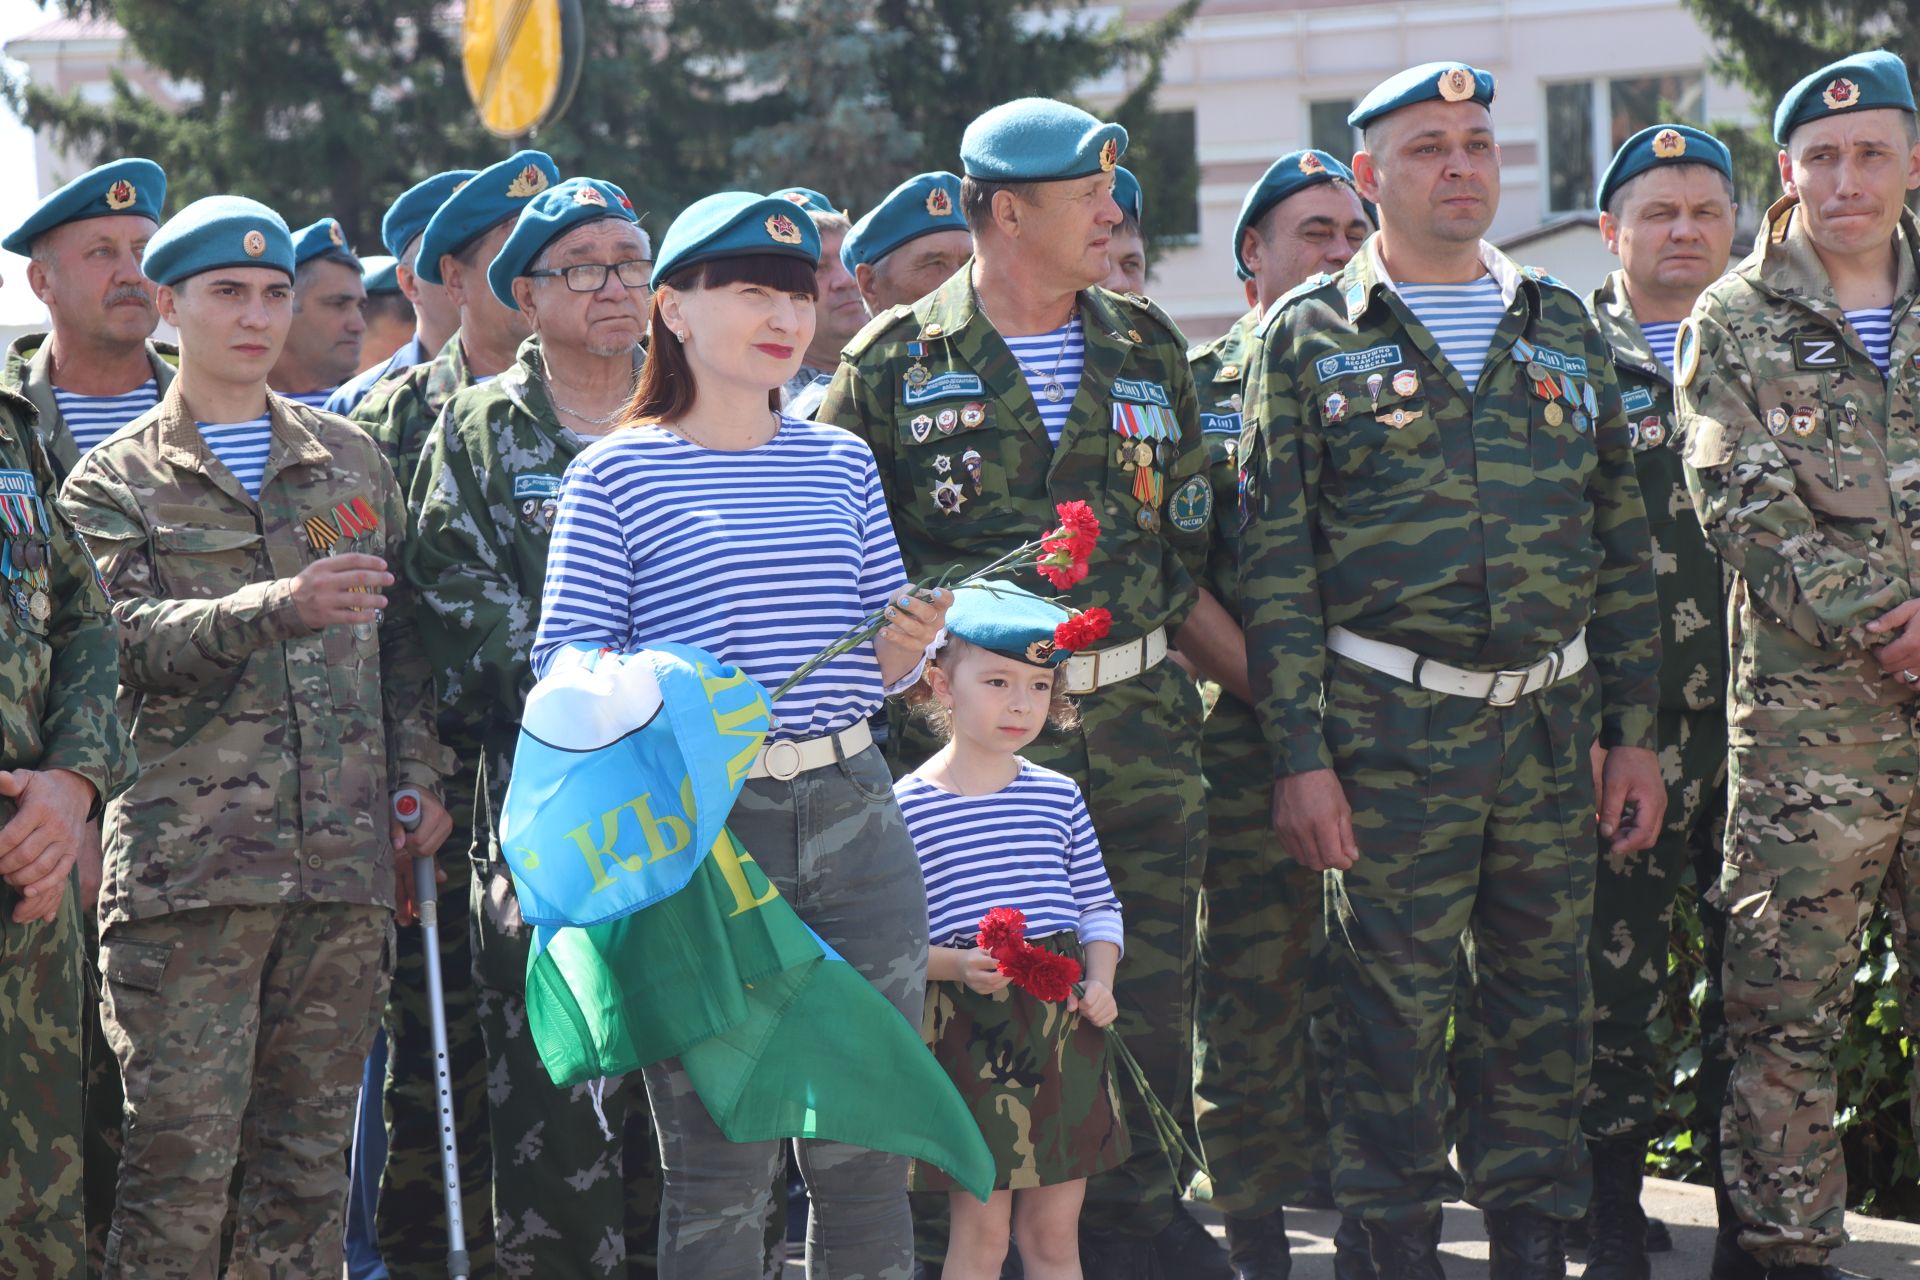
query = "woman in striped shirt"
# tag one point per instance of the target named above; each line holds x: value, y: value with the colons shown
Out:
x: 713, y: 520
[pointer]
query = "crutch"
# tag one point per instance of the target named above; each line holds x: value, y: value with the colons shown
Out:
x: 406, y: 811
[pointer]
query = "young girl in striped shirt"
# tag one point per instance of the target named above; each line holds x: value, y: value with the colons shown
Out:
x: 994, y: 830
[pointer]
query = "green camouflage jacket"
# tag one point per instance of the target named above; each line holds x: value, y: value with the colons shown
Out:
x: 400, y: 410
x: 1482, y: 530
x: 483, y: 503
x: 1686, y: 569
x: 1219, y: 376
x: 269, y: 750
x: 61, y: 669
x: 969, y: 471
x: 1801, y: 460
x: 29, y: 371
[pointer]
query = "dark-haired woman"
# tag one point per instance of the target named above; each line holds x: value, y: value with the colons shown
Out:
x: 712, y: 520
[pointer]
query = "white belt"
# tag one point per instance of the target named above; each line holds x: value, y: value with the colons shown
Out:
x: 1099, y: 668
x: 1495, y: 688
x: 787, y: 759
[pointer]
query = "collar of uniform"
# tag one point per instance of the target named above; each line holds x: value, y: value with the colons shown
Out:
x: 1232, y: 348
x: 182, y: 445
x: 1498, y: 265
x: 522, y: 384
x: 1786, y: 264
x: 948, y: 310
x: 1620, y: 328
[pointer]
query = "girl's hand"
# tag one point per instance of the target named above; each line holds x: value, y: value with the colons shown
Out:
x: 981, y: 972
x: 913, y: 620
x: 1094, y: 1002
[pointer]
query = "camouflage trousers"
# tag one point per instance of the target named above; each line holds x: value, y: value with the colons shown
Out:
x: 1632, y: 917
x: 576, y: 1174
x: 241, y: 1034
x: 1256, y: 1090
x: 834, y: 844
x: 1820, y: 838
x: 1471, y: 820
x: 105, y: 1102
x: 43, y: 1010
x: 412, y: 1213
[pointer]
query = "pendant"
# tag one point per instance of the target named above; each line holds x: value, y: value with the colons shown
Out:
x: 1053, y: 391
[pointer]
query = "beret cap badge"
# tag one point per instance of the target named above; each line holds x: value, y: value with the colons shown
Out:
x: 1040, y: 652
x: 254, y: 243
x: 781, y: 230
x: 1669, y: 143
x: 587, y: 195
x: 1842, y: 93
x: 530, y: 181
x: 939, y: 203
x: 121, y: 195
x: 1311, y: 163
x: 1456, y: 84
x: 335, y: 234
x: 1109, y: 155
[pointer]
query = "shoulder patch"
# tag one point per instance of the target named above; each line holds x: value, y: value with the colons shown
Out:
x: 1140, y: 302
x: 1686, y: 353
x: 877, y: 328
x: 1306, y: 288
x: 1535, y: 273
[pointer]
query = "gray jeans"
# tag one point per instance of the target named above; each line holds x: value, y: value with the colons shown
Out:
x: 833, y: 842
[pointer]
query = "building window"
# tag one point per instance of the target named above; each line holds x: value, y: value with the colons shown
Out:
x: 1172, y: 167
x: 1328, y: 130
x: 1587, y: 120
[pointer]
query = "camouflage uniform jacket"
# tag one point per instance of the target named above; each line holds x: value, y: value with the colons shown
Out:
x: 61, y: 670
x: 1219, y: 376
x: 29, y: 371
x: 400, y: 410
x: 1687, y: 570
x: 1482, y: 530
x: 970, y: 474
x: 1804, y: 464
x: 270, y: 750
x: 483, y: 503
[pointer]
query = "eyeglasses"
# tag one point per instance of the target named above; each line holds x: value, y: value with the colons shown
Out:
x: 591, y: 277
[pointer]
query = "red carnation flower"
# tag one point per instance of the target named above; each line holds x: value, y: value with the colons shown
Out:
x: 1019, y: 965
x: 1078, y: 519
x: 1062, y: 576
x: 1050, y: 977
x: 1000, y: 929
x: 1083, y: 630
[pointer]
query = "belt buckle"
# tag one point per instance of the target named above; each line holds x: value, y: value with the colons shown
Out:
x: 1495, y: 696
x: 788, y: 757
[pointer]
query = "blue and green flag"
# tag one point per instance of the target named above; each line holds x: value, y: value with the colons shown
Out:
x: 657, y: 935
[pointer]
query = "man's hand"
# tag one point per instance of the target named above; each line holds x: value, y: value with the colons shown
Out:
x: 1095, y: 1003
x: 39, y: 844
x: 1900, y: 655
x: 1314, y: 822
x: 341, y: 591
x: 1633, y: 799
x: 435, y: 825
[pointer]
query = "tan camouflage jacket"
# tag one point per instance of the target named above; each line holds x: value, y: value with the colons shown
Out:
x: 1804, y: 465
x: 270, y: 750
x: 28, y: 369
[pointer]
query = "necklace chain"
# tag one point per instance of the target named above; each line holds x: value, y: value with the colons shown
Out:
x: 554, y: 399
x: 1050, y: 385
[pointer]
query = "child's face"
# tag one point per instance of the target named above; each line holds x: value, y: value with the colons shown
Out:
x: 998, y: 704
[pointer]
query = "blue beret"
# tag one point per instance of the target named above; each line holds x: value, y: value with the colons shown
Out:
x: 1294, y: 171
x: 1039, y: 140
x: 135, y: 187
x: 408, y: 216
x: 922, y: 205
x: 1126, y: 192
x: 809, y: 199
x: 380, y: 274
x: 1008, y: 620
x: 552, y: 214
x: 218, y: 231
x: 490, y: 197
x: 1428, y: 82
x: 316, y: 238
x: 1661, y: 144
x: 1859, y: 83
x: 732, y: 224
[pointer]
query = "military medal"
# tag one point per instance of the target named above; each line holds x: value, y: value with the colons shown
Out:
x: 1581, y: 421
x: 1777, y: 420
x: 917, y: 374
x: 39, y: 605
x: 1554, y: 414
x: 922, y: 428
x: 1406, y: 382
x: 1592, y: 400
x: 1374, y: 382
x: 943, y: 464
x: 1652, y: 431
x: 1803, y: 422
x: 946, y: 420
x: 949, y: 497
x: 1398, y: 417
x: 1148, y: 518
x: 1335, y: 408
x: 972, y: 415
x: 971, y: 464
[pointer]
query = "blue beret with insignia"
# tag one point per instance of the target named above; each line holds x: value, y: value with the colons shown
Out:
x: 1294, y: 171
x: 380, y: 274
x: 1428, y: 82
x: 218, y: 231
x: 316, y: 238
x: 1008, y: 620
x: 1039, y: 140
x: 132, y: 187
x: 1657, y: 145
x: 809, y: 199
x: 733, y: 224
x: 550, y: 215
x: 920, y: 206
x: 1127, y: 194
x: 490, y: 197
x: 1862, y: 82
x: 408, y: 216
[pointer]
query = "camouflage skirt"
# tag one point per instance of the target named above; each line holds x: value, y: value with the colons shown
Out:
x: 1036, y: 1078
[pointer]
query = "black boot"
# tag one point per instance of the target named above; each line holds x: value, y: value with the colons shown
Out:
x: 1524, y: 1244
x: 1352, y: 1258
x: 1186, y: 1251
x: 1257, y: 1248
x: 1406, y: 1250
x: 1616, y: 1226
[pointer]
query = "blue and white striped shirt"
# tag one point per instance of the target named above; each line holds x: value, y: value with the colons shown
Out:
x: 243, y: 447
x: 1875, y: 327
x: 92, y: 419
x: 763, y: 558
x: 1060, y: 357
x: 311, y: 399
x: 1661, y: 337
x: 1461, y: 318
x: 1029, y: 845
